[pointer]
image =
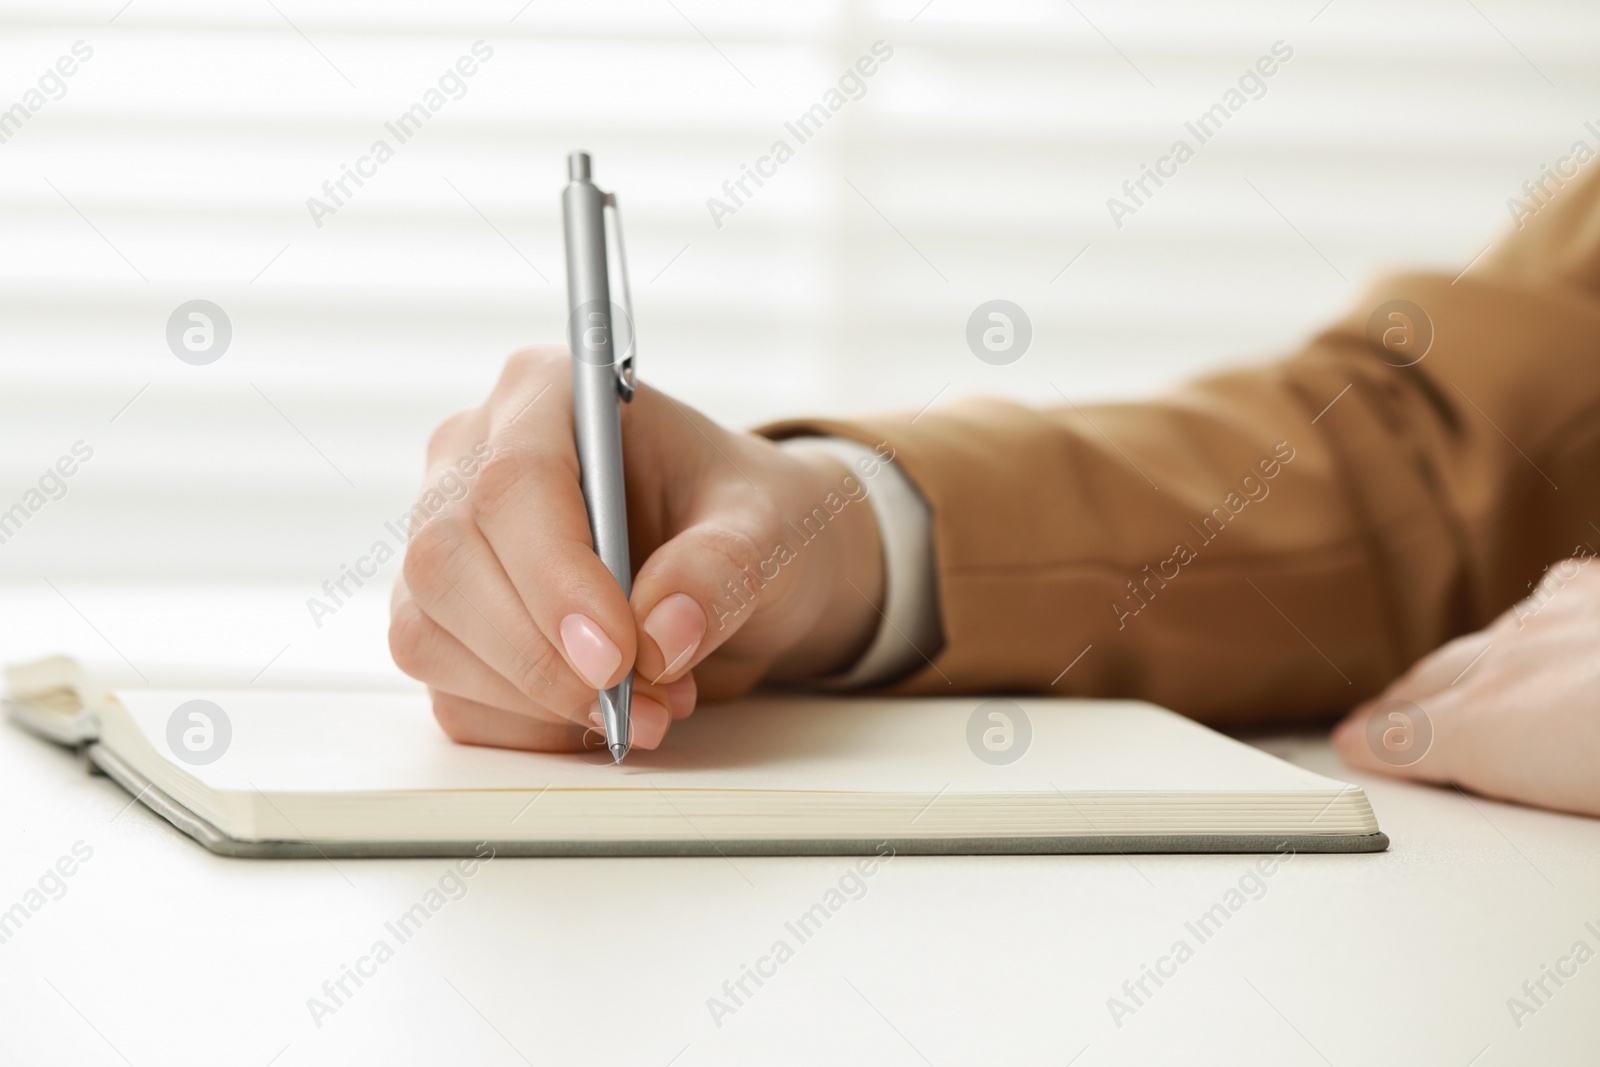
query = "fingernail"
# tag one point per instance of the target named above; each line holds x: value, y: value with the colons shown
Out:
x: 682, y: 695
x: 677, y: 625
x: 649, y: 722
x: 590, y: 650
x: 595, y: 717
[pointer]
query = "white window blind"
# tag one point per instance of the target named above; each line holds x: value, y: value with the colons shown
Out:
x: 975, y: 162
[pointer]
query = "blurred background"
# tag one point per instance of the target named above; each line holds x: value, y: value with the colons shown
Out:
x: 177, y: 162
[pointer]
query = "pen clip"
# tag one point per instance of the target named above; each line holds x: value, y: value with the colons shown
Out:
x: 627, y: 370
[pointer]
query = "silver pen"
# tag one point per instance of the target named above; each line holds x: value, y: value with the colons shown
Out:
x: 603, y: 379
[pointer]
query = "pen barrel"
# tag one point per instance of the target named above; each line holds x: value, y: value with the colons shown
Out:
x: 595, y: 400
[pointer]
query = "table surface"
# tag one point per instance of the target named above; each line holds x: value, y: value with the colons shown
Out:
x: 154, y: 951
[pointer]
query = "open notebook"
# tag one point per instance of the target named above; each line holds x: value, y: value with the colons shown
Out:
x: 366, y: 772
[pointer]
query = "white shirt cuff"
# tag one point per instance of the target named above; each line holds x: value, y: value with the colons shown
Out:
x: 908, y: 635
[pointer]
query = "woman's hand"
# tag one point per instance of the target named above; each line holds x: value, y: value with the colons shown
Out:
x: 1513, y: 710
x: 506, y: 613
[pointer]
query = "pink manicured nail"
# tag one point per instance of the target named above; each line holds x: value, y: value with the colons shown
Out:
x: 595, y: 717
x: 677, y: 625
x: 591, y: 652
x: 649, y: 721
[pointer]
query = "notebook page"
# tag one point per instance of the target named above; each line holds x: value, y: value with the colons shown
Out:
x: 339, y: 742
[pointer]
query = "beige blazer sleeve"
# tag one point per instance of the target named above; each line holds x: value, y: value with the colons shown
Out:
x: 1283, y: 540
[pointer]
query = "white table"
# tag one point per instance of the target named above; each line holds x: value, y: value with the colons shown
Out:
x: 160, y: 953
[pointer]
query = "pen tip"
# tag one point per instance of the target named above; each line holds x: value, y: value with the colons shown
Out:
x: 618, y: 750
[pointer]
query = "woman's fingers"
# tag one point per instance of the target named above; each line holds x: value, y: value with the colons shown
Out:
x: 1440, y: 670
x: 1401, y: 731
x: 1404, y: 730
x: 1401, y: 737
x: 431, y: 654
x: 698, y: 590
x: 526, y: 511
x: 457, y: 582
x: 682, y: 696
x: 530, y: 512
x: 734, y: 563
x: 504, y: 605
x: 472, y: 723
